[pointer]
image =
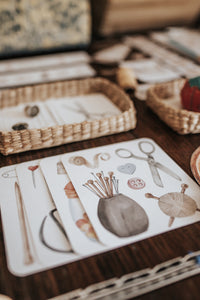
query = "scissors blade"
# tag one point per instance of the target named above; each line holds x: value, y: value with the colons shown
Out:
x: 155, y: 175
x: 167, y: 171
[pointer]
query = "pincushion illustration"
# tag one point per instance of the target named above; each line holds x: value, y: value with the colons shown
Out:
x: 176, y: 205
x: 118, y: 213
x: 190, y: 94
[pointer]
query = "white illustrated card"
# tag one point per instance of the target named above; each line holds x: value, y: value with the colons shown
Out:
x: 79, y: 230
x: 113, y: 54
x: 70, y: 110
x: 136, y: 193
x: 141, y: 91
x: 150, y: 71
x: 180, y: 65
x: 33, y: 233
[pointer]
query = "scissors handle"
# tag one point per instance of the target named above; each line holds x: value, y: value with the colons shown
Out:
x: 147, y: 152
x: 125, y: 153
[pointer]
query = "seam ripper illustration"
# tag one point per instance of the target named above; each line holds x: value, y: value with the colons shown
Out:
x: 118, y: 213
x: 153, y: 165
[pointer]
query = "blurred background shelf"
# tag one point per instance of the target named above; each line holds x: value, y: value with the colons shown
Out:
x: 115, y: 16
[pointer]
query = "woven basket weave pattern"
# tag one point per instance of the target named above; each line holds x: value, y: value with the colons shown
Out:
x: 180, y: 120
x: 19, y: 141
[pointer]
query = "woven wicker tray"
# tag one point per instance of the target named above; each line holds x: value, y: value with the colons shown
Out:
x: 24, y: 140
x: 195, y: 164
x: 164, y: 100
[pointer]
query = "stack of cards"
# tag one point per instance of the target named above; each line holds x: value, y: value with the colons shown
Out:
x: 45, y: 68
x: 149, y: 70
x: 64, y: 208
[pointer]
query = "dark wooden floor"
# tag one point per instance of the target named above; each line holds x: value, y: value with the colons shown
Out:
x: 124, y: 260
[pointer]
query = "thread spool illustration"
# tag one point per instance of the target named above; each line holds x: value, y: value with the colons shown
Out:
x: 126, y: 79
x: 81, y: 161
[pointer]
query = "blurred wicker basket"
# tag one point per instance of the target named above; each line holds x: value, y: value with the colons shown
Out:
x: 24, y: 140
x: 164, y: 100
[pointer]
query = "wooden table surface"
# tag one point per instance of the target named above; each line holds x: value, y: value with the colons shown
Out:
x: 131, y: 258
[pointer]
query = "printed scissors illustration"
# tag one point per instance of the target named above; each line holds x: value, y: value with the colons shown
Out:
x: 9, y: 174
x: 88, y: 116
x: 153, y: 165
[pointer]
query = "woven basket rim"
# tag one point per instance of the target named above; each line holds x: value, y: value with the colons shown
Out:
x: 183, y: 111
x: 103, y: 80
x: 5, y: 132
x: 12, y: 141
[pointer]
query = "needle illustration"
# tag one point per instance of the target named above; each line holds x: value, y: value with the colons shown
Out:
x: 32, y: 169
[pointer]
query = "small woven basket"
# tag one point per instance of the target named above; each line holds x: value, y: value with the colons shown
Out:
x: 164, y: 99
x: 24, y: 140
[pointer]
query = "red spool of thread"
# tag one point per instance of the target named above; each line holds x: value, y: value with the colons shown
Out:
x: 190, y: 94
